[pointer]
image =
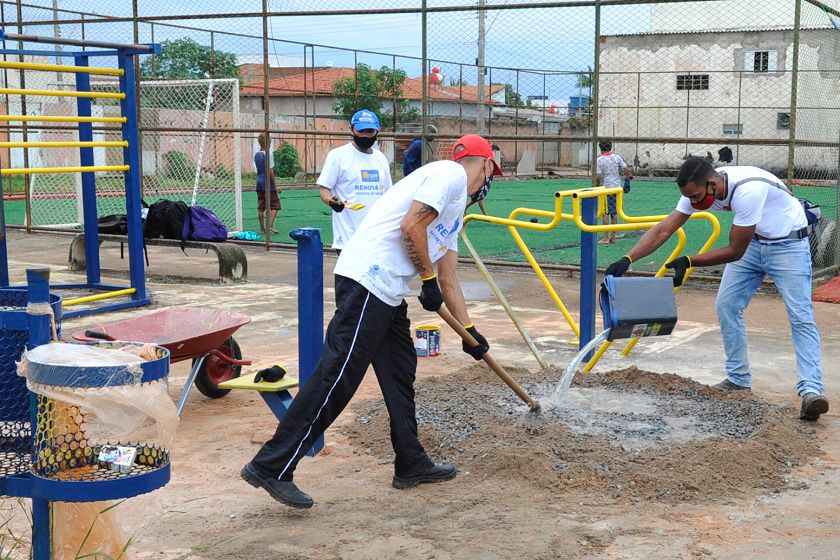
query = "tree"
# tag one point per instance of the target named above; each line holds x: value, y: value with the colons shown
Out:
x: 184, y: 59
x: 512, y: 98
x: 459, y: 82
x: 374, y: 90
x: 584, y: 79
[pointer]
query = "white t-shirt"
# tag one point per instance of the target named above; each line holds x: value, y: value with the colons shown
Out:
x: 376, y: 258
x: 759, y: 200
x: 354, y: 176
x: 610, y: 168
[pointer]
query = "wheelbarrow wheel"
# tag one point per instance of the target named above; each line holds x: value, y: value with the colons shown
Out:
x: 215, y: 371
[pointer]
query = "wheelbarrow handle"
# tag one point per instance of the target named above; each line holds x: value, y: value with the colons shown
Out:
x: 99, y: 335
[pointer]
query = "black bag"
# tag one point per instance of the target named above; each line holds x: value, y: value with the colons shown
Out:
x: 166, y: 219
x: 114, y: 223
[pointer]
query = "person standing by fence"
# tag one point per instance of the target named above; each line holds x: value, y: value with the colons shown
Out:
x: 260, y: 164
x: 610, y: 169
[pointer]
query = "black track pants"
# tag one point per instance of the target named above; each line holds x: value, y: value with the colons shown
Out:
x: 364, y: 330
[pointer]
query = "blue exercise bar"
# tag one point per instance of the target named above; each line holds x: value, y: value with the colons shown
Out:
x: 588, y: 273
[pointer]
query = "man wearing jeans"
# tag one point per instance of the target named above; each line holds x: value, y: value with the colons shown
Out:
x: 769, y: 236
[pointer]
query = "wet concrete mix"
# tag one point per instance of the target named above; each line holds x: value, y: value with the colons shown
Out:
x: 622, y: 436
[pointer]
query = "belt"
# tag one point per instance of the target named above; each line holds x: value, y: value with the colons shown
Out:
x: 795, y: 234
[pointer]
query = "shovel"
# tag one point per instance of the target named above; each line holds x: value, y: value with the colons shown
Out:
x: 489, y: 360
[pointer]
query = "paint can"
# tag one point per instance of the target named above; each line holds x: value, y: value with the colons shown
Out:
x: 427, y: 340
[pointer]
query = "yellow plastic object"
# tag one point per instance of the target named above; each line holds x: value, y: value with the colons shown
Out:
x: 356, y: 206
x: 61, y: 93
x: 61, y: 68
x: 99, y: 144
x: 60, y: 118
x: 247, y: 382
x: 88, y: 169
x: 97, y: 297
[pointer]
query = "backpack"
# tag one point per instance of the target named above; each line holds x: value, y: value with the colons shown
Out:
x: 813, y: 212
x: 114, y: 223
x: 166, y: 219
x: 202, y: 225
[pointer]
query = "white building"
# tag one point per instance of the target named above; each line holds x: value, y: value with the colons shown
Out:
x: 721, y: 84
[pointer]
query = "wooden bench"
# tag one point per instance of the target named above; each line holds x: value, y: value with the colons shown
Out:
x: 233, y: 265
x: 275, y: 394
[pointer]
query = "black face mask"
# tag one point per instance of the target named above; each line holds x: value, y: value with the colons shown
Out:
x: 364, y: 142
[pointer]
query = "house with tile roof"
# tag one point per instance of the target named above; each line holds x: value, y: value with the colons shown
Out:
x: 295, y: 94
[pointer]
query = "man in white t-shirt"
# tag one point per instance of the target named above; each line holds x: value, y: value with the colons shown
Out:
x: 413, y: 228
x: 355, y: 173
x: 769, y: 236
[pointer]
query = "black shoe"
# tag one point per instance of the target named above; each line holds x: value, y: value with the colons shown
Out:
x: 812, y: 406
x: 727, y: 385
x: 436, y: 473
x: 281, y: 490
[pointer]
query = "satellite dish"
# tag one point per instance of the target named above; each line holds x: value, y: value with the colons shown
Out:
x: 330, y: 63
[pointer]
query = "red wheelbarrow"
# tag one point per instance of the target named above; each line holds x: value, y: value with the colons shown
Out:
x: 202, y: 334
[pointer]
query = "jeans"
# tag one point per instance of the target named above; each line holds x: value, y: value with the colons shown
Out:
x: 788, y: 263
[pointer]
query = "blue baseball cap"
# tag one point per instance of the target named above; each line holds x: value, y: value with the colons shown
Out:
x: 365, y: 120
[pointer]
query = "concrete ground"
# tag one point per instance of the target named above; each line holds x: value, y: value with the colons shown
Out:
x: 208, y: 512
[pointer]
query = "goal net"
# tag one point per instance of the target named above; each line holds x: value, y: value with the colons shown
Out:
x: 190, y: 150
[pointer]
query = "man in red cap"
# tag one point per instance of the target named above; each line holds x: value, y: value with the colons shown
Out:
x: 411, y: 230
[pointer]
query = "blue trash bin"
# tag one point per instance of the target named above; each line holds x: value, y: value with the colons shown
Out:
x: 15, y: 429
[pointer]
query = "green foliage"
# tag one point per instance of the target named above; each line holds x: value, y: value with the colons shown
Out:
x: 512, y: 98
x: 286, y: 160
x: 584, y: 79
x: 176, y: 165
x: 374, y: 90
x: 184, y: 59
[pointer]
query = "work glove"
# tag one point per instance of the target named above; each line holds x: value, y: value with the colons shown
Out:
x: 336, y: 204
x: 475, y: 351
x: 430, y: 296
x: 680, y: 266
x: 619, y: 267
x: 270, y: 375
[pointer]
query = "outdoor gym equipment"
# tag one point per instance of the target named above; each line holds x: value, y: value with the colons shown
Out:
x: 125, y: 57
x: 586, y: 203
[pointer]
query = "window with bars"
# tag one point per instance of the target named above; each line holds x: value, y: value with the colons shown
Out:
x: 692, y: 81
x: 760, y: 62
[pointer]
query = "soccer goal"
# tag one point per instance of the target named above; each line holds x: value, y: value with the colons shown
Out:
x: 190, y: 151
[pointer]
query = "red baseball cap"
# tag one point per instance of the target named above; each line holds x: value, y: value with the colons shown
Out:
x: 475, y: 145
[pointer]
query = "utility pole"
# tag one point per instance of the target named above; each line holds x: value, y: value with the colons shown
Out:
x: 57, y: 34
x: 480, y: 64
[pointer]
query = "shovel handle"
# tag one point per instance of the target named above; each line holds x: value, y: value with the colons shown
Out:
x: 489, y: 360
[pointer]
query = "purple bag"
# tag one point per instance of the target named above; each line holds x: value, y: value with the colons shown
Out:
x: 203, y: 225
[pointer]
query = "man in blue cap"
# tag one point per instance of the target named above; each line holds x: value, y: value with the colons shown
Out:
x: 355, y: 174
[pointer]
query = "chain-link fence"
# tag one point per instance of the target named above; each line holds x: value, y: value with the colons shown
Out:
x: 544, y: 81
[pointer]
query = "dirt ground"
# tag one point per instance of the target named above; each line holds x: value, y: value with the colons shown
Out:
x: 636, y: 463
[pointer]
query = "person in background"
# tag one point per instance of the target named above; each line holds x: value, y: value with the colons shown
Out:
x: 413, y: 156
x: 274, y: 202
x: 356, y: 173
x: 610, y: 168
